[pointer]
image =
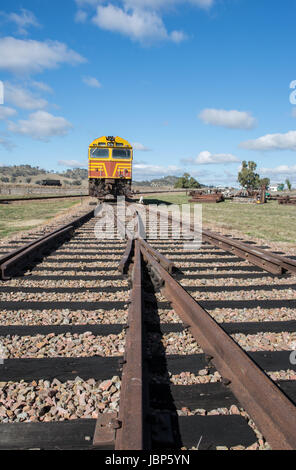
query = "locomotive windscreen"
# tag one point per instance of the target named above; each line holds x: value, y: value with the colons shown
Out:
x: 121, y: 153
x: 99, y: 153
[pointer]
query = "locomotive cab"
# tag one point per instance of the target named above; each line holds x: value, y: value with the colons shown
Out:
x: 110, y: 167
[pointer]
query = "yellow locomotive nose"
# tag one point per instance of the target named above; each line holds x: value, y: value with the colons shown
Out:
x: 110, y: 167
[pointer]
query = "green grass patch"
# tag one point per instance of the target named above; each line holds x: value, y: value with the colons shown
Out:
x: 18, y: 218
x: 271, y: 221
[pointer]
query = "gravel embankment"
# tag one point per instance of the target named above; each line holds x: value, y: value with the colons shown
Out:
x: 63, y: 345
x: 56, y: 401
x: 172, y: 343
x: 120, y: 296
x: 63, y: 317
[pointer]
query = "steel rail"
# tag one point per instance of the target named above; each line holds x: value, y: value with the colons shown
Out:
x: 271, y: 410
x: 125, y: 260
x: 29, y: 250
x: 28, y: 253
x: 163, y: 260
x: 130, y: 429
x: 40, y: 198
x: 260, y: 258
x: 132, y: 406
x: 166, y: 263
x: 270, y: 262
x: 78, y: 221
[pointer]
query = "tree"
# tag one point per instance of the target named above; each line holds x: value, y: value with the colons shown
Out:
x: 289, y: 185
x: 186, y: 181
x: 265, y: 182
x: 281, y: 187
x: 183, y: 182
x: 193, y: 183
x: 247, y: 177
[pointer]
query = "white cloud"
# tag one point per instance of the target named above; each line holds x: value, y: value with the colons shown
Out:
x: 28, y: 56
x: 41, y: 125
x: 92, y: 82
x: 41, y: 86
x: 146, y: 171
x: 141, y: 20
x: 208, y: 158
x: 7, y: 144
x: 72, y: 163
x: 6, y: 112
x: 231, y: 119
x: 150, y: 4
x: 81, y: 16
x: 177, y: 36
x: 272, y: 142
x: 23, y: 98
x: 279, y: 170
x: 140, y: 147
x: 139, y: 25
x: 23, y: 20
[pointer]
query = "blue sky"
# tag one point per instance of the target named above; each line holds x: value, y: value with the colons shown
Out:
x: 196, y: 85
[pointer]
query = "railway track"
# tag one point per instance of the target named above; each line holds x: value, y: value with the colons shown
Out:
x: 40, y: 198
x: 82, y: 343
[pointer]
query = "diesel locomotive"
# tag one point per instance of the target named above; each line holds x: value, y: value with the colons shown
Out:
x: 110, y: 167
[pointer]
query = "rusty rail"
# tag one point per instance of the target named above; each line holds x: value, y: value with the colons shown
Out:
x: 264, y: 260
x: 270, y: 262
x: 133, y: 404
x: 271, y: 410
x: 275, y: 264
x: 125, y: 260
x: 78, y: 221
x: 130, y: 430
x: 166, y: 263
x: 40, y: 198
x: 30, y: 250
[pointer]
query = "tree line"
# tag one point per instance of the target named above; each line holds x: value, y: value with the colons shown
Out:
x: 248, y: 178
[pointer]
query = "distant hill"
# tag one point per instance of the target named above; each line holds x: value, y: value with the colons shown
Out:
x: 158, y: 182
x: 76, y: 173
x: 26, y: 174
x: 166, y: 181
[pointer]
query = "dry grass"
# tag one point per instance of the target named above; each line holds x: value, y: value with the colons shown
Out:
x: 20, y: 217
x: 270, y: 221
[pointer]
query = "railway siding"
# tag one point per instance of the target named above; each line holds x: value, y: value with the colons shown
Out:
x: 68, y: 335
